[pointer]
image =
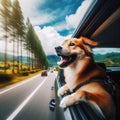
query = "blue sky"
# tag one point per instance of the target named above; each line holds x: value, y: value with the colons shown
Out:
x: 58, y: 9
x: 59, y: 14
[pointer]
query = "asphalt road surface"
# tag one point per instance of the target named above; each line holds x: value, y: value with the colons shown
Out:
x: 28, y: 100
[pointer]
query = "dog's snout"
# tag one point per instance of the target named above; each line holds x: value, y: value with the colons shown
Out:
x: 59, y: 48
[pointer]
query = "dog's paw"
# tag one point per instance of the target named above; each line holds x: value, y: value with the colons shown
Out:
x: 63, y: 90
x: 67, y: 101
x: 72, y: 99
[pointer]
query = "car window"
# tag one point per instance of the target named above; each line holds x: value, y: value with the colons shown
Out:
x: 109, y: 56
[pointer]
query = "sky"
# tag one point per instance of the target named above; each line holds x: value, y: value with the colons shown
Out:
x: 53, y: 20
x: 63, y: 15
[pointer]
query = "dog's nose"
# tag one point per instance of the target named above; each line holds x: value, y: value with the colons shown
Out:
x: 59, y: 48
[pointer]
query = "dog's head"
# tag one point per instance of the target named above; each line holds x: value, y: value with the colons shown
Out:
x: 73, y: 49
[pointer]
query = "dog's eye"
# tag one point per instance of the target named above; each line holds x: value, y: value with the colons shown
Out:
x: 71, y: 44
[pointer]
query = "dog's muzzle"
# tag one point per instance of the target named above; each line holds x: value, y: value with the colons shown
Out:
x: 58, y: 49
x: 65, y: 58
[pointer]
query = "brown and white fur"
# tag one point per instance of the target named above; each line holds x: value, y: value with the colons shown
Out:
x: 79, y: 66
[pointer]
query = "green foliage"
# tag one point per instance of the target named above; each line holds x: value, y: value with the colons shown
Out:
x: 4, y: 77
x: 110, y: 59
x: 5, y: 13
x: 57, y: 68
x: 53, y: 59
x: 33, y: 44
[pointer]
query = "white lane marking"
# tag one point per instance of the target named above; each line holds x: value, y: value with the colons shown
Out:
x: 13, y: 115
x: 17, y: 85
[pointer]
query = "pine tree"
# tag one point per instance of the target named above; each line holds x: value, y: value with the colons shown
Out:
x: 5, y: 12
x: 34, y: 46
x: 18, y: 30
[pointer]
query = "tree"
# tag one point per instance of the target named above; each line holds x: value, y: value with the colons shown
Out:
x: 34, y: 46
x: 27, y: 43
x: 5, y: 12
x: 18, y: 30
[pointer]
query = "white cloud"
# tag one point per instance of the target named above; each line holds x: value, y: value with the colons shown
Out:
x: 61, y: 26
x: 29, y: 9
x: 41, y: 19
x: 28, y: 6
x: 49, y: 39
x: 36, y: 17
x: 74, y: 19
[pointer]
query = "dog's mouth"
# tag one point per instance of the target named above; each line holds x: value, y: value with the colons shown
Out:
x: 66, y: 60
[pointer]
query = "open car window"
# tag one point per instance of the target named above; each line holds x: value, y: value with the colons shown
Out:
x: 109, y: 56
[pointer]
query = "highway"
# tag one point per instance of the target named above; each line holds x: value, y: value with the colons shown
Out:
x: 28, y: 100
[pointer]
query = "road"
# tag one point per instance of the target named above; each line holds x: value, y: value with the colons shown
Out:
x: 28, y: 100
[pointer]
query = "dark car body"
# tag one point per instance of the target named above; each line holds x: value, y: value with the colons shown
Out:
x: 101, y: 23
x: 44, y: 73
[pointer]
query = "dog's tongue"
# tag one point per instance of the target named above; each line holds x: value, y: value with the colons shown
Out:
x: 63, y: 61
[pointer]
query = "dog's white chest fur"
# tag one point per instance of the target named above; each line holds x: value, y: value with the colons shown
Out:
x: 70, y: 76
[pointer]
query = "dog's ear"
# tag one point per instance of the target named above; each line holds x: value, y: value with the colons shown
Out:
x: 88, y: 41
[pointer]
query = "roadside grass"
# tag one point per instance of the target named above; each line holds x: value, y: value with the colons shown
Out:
x: 17, y: 78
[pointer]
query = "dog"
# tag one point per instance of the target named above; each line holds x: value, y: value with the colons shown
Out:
x: 79, y: 68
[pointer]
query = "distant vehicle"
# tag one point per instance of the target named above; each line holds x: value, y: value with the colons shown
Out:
x: 51, y: 71
x: 44, y: 73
